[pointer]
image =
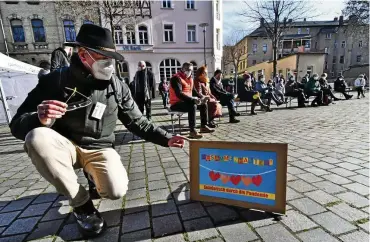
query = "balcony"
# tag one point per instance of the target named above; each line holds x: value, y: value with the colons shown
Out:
x: 134, y: 48
x: 20, y: 46
x: 41, y: 46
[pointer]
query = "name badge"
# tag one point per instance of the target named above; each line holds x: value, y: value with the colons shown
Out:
x: 98, y: 110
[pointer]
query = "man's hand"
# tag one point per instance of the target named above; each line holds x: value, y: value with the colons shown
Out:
x: 177, y: 141
x: 49, y: 110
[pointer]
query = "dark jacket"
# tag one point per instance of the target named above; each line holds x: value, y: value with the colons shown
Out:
x: 312, y: 85
x: 324, y: 83
x: 142, y: 78
x: 78, y: 125
x: 218, y: 90
x: 340, y: 85
x: 59, y: 59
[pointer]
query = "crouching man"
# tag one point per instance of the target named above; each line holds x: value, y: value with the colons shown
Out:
x: 68, y: 122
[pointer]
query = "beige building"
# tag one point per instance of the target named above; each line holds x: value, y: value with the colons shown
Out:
x: 329, y: 37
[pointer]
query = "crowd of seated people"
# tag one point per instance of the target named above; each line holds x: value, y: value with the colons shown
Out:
x: 208, y: 96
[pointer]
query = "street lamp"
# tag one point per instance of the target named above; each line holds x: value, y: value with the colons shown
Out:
x: 204, y: 26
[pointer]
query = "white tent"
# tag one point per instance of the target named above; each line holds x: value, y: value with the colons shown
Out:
x: 17, y: 79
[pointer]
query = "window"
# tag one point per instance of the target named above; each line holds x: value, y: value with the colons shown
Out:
x: 254, y: 62
x: 341, y: 60
x: 308, y: 30
x: 34, y: 2
x: 333, y: 67
x: 190, y: 4
x: 195, y: 66
x: 130, y: 34
x: 264, y: 48
x: 166, y: 4
x: 299, y: 30
x: 69, y: 30
x: 360, y: 43
x: 326, y: 65
x: 254, y: 48
x: 332, y: 74
x: 87, y: 21
x: 11, y: 2
x: 148, y: 66
x: 218, y: 9
x: 17, y: 30
x: 191, y: 36
x: 218, y: 44
x: 343, y: 44
x: 38, y: 30
x: 123, y: 69
x: 326, y: 49
x: 168, y: 68
x: 168, y: 32
x: 358, y: 58
x: 335, y: 44
x: 328, y: 36
x: 307, y: 44
x: 143, y: 35
x: 334, y: 59
x: 118, y: 35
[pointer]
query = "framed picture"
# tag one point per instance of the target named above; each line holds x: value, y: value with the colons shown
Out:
x: 249, y: 175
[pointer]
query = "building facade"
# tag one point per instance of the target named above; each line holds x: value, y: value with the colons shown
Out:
x: 31, y: 30
x: 171, y: 36
x: 330, y: 37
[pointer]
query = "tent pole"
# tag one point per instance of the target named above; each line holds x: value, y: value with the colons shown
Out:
x: 5, y: 104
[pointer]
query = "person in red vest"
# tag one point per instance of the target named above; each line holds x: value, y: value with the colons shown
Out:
x: 182, y: 100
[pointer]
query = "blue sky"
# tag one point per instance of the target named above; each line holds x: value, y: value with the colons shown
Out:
x: 327, y: 9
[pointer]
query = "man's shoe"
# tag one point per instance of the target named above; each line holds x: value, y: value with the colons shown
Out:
x: 314, y: 105
x: 337, y: 99
x: 349, y: 97
x: 212, y: 125
x: 253, y: 113
x: 234, y: 121
x: 306, y: 101
x: 206, y: 129
x: 302, y: 105
x: 90, y: 223
x: 236, y: 114
x: 195, y: 135
x: 363, y: 96
x: 358, y: 97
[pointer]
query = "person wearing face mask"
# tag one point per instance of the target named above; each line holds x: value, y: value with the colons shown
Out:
x: 60, y: 57
x: 267, y: 92
x: 312, y: 88
x: 68, y: 121
x: 184, y: 98
x: 293, y: 89
x: 326, y: 89
x: 341, y: 86
x: 360, y: 83
x: 143, y: 88
x: 225, y: 98
x: 252, y: 96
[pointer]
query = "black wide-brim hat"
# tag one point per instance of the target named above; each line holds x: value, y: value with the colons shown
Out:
x: 97, y: 39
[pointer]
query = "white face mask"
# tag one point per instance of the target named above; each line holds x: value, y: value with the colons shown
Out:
x: 188, y: 73
x: 316, y: 78
x: 263, y: 79
x: 102, y: 69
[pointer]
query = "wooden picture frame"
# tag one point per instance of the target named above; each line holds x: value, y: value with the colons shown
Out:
x: 200, y: 164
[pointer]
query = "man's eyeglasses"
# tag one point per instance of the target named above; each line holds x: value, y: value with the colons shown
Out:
x: 77, y: 105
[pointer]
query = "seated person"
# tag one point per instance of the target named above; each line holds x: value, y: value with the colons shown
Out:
x: 292, y: 89
x: 326, y: 88
x: 305, y: 79
x: 360, y: 83
x: 280, y: 87
x: 266, y: 91
x: 312, y: 88
x: 225, y: 98
x: 340, y: 85
x: 182, y: 100
x: 250, y: 95
x: 201, y: 85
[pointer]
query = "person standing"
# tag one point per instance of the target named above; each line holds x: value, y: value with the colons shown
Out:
x: 143, y: 89
x: 60, y: 57
x: 163, y: 91
x: 360, y: 85
x: 68, y: 120
x: 225, y: 98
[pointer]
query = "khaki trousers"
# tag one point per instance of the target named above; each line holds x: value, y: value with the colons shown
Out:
x: 55, y: 158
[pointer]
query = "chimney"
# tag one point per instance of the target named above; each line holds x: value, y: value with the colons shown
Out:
x: 336, y: 19
x: 261, y: 22
x: 341, y: 20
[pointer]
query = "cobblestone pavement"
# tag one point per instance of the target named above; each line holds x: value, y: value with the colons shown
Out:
x: 327, y: 193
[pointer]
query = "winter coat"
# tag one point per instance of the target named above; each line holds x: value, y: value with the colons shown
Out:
x: 360, y: 82
x: 143, y: 79
x: 312, y: 85
x: 59, y: 59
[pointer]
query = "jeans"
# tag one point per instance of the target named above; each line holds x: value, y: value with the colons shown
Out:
x: 191, y: 109
x: 299, y: 94
x: 164, y: 98
x: 228, y: 101
x: 360, y: 91
x: 318, y: 94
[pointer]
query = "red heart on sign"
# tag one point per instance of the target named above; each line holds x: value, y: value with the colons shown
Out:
x: 235, y: 179
x: 214, y: 176
x: 257, y: 180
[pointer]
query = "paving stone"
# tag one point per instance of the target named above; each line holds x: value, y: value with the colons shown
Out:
x: 107, y: 205
x: 329, y: 187
x: 163, y: 208
x: 14, y: 192
x: 136, y: 184
x: 333, y: 223
x: 297, y: 222
x: 316, y: 235
x: 15, y: 238
x: 237, y: 232
x: 316, y: 171
x: 221, y: 213
x: 364, y: 172
x: 360, y: 179
x: 176, y: 178
x: 165, y: 225
x: 357, y: 236
x: 45, y: 229
x: 16, y: 205
x: 301, y: 186
x: 21, y: 226
x: 70, y: 232
x: 349, y: 166
x: 171, y: 238
x: 347, y: 212
x: 35, y: 210
x: 138, y: 205
x: 291, y: 194
x: 337, y: 179
x: 295, y: 171
x: 7, y: 218
x: 321, y: 197
x: 300, y: 164
x: 155, y: 169
x: 291, y: 177
x: 358, y: 188
x: 156, y: 177
x: 110, y: 235
x: 159, y: 195
x: 309, y: 177
x: 257, y: 218
x: 354, y: 160
x: 330, y: 160
x: 365, y: 226
x: 342, y: 172
x: 173, y: 170
x: 276, y: 233
x: 137, y: 176
x: 323, y: 165
x: 155, y: 185
x: 137, y: 221
x: 191, y: 211
x: 44, y: 198
x: 200, y: 229
x: 354, y: 199
x: 307, y: 206
x: 142, y: 236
